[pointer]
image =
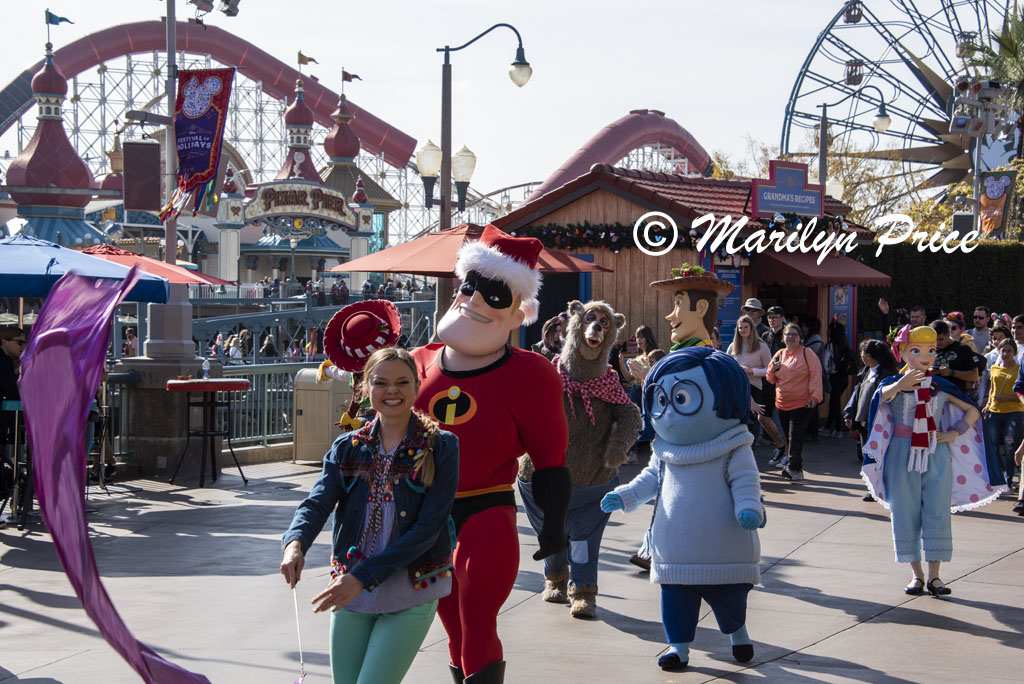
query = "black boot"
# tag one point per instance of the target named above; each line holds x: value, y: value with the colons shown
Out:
x: 457, y: 674
x: 492, y: 674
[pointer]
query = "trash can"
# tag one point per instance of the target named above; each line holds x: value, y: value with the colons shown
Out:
x: 317, y: 409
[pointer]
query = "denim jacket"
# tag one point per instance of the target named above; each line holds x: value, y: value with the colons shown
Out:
x: 425, y: 527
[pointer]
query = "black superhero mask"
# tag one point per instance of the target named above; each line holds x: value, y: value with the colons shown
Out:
x: 496, y: 293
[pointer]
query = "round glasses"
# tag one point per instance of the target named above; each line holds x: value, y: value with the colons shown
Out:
x: 686, y: 398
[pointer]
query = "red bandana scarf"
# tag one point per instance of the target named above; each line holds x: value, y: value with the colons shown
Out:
x: 605, y: 387
x: 923, y: 439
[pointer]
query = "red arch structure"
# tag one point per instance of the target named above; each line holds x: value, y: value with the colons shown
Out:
x: 613, y: 142
x: 277, y: 78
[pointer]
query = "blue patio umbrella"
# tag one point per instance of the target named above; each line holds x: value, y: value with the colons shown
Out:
x: 29, y: 267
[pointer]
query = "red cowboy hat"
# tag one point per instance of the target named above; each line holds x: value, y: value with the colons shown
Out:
x: 360, y: 329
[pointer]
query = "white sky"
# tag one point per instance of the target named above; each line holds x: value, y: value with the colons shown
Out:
x: 721, y: 69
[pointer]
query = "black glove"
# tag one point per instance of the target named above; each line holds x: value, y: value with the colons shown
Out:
x: 552, y: 489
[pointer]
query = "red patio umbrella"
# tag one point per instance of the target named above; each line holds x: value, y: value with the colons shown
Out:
x: 434, y: 255
x: 174, y: 274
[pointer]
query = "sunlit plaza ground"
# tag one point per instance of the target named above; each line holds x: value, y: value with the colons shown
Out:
x: 193, y: 572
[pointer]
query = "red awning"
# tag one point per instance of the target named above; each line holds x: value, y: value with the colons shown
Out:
x: 173, y: 272
x: 788, y: 268
x: 434, y: 255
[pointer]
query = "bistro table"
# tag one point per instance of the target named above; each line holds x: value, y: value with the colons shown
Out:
x: 209, y: 403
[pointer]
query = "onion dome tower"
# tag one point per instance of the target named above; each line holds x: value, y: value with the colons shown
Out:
x: 342, y: 147
x: 298, y: 120
x: 49, y: 166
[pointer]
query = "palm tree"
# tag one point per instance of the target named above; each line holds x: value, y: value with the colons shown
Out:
x: 1004, y: 60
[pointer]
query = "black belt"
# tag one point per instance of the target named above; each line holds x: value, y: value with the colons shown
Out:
x: 469, y: 506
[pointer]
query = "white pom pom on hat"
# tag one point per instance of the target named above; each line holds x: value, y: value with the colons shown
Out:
x: 512, y: 260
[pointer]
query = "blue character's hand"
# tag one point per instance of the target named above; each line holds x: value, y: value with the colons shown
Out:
x: 613, y: 502
x: 748, y: 519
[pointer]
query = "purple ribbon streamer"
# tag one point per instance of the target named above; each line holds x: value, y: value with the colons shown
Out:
x: 62, y: 365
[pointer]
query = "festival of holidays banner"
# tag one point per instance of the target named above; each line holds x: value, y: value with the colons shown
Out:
x: 200, y: 113
x: 996, y: 195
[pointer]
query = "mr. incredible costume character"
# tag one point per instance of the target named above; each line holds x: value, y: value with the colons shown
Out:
x: 501, y: 402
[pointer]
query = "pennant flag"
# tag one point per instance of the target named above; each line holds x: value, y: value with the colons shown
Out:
x: 69, y: 340
x: 304, y: 60
x: 347, y: 77
x: 53, y: 20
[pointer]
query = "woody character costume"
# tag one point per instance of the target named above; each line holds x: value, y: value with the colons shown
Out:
x: 501, y: 402
x: 695, y: 296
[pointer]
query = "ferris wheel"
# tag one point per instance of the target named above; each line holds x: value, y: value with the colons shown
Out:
x: 906, y: 54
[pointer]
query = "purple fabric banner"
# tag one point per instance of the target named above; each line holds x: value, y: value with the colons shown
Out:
x: 62, y: 365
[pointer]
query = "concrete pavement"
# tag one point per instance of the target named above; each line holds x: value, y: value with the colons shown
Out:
x: 193, y: 572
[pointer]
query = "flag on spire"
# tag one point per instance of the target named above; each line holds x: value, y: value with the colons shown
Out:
x: 53, y: 20
x: 348, y: 78
x: 304, y: 60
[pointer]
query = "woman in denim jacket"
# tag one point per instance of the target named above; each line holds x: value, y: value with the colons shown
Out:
x: 391, y: 486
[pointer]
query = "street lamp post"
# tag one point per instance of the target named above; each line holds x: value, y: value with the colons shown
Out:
x: 880, y: 124
x: 294, y: 242
x: 520, y: 73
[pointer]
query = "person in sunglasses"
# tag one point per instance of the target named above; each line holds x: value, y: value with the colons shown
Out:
x: 12, y: 344
x: 500, y: 402
x: 980, y: 333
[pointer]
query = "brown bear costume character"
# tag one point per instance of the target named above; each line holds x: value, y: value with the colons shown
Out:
x: 603, y: 425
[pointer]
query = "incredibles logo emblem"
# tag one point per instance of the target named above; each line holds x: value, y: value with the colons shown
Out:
x: 452, y: 406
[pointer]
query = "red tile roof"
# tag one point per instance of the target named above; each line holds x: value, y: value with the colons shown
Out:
x: 688, y: 197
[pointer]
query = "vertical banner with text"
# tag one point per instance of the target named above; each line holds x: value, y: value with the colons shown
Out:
x: 729, y: 307
x: 840, y: 308
x: 200, y: 113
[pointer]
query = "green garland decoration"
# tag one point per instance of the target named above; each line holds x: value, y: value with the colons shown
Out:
x: 618, y: 236
x: 614, y: 237
x: 686, y: 270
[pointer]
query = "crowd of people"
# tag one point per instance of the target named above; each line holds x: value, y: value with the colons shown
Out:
x: 422, y: 495
x: 392, y: 290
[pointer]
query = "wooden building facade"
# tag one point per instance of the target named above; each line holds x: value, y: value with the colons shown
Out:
x: 593, y: 216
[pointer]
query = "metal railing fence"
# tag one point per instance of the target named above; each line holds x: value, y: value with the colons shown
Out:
x: 262, y: 415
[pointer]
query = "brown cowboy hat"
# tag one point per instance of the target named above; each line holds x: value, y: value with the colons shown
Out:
x: 704, y: 282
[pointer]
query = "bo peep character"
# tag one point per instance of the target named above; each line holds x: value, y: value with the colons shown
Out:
x: 926, y: 456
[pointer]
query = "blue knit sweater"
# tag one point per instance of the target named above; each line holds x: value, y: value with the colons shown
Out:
x: 694, y: 536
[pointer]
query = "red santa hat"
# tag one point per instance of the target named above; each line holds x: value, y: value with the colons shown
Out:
x: 498, y: 255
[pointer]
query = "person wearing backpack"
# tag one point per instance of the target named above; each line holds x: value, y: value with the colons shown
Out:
x: 839, y: 364
x: 810, y: 326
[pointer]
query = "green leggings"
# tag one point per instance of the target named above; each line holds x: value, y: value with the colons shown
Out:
x: 375, y: 648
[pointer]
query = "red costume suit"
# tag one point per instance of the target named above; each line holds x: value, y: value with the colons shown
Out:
x: 498, y: 412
